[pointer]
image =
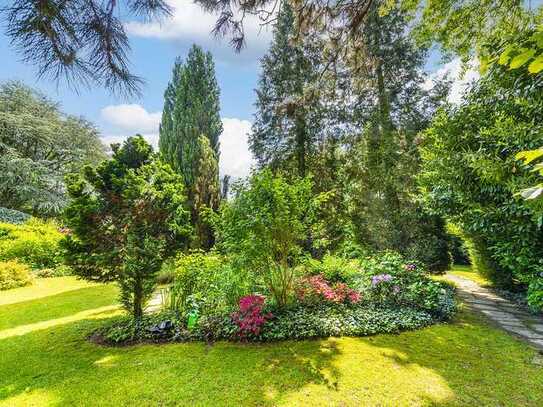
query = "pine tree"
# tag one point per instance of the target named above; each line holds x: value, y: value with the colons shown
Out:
x: 191, y: 110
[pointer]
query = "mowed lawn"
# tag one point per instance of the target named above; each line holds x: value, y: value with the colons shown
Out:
x: 46, y: 360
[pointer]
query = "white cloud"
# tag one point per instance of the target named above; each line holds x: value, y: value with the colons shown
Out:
x: 236, y: 159
x: 131, y: 118
x: 189, y: 23
x: 126, y: 120
x: 461, y: 78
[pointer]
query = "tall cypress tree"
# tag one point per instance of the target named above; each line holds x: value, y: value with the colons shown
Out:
x: 191, y: 110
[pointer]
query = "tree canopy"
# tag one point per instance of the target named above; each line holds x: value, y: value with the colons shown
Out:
x: 39, y: 145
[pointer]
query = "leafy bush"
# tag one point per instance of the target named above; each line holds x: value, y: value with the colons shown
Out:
x: 263, y: 228
x: 36, y: 243
x: 60, y: 271
x: 250, y: 318
x: 471, y: 177
x: 206, y: 283
x: 12, y: 216
x: 316, y: 289
x: 166, y: 274
x: 333, y: 268
x: 14, y: 274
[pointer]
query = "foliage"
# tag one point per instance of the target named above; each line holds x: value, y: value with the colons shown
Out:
x: 14, y: 274
x: 13, y: 216
x: 126, y: 217
x: 59, y: 271
x: 470, y: 175
x: 206, y: 283
x: 189, y: 134
x: 83, y: 41
x: 264, y: 226
x: 38, y: 145
x: 250, y: 318
x: 333, y: 268
x: 287, y: 128
x: 35, y: 243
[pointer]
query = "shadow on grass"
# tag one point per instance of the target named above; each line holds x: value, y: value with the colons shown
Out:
x: 464, y: 363
x: 57, y: 366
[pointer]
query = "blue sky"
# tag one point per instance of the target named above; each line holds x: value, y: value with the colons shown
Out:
x: 154, y: 49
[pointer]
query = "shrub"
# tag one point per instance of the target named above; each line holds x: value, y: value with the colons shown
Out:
x: 166, y: 275
x: 207, y: 284
x: 333, y: 268
x: 14, y: 274
x: 316, y: 289
x: 250, y: 318
x: 60, y: 271
x: 127, y: 216
x: 36, y: 243
x: 12, y: 216
x: 264, y: 226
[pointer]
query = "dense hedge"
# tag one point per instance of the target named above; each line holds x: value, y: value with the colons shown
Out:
x: 471, y: 177
x: 35, y: 243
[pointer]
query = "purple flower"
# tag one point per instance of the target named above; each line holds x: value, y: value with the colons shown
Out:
x: 380, y: 278
x: 410, y: 267
x: 396, y: 289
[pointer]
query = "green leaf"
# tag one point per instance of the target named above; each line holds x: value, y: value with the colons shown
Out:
x: 522, y: 58
x: 529, y: 155
x: 536, y: 65
x: 504, y: 56
x: 537, y: 37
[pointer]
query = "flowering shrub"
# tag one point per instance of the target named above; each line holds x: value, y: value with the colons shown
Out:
x: 250, y: 318
x: 314, y: 289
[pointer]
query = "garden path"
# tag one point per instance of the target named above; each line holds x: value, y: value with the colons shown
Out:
x: 504, y: 313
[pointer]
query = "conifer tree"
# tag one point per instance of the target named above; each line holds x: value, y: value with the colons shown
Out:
x: 191, y: 111
x: 285, y: 129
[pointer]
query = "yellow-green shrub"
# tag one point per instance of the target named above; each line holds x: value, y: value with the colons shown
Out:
x: 14, y: 274
x: 34, y: 242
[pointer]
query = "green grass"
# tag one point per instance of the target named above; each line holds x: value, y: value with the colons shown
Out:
x: 470, y: 274
x: 45, y: 360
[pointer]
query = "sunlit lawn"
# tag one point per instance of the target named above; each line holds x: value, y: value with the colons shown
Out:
x: 45, y: 360
x: 470, y: 274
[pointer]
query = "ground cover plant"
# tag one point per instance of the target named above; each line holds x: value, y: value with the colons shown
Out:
x: 45, y: 325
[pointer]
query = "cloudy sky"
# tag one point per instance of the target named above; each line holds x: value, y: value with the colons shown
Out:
x: 154, y: 49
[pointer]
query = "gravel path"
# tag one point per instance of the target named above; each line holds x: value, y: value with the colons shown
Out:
x: 504, y: 313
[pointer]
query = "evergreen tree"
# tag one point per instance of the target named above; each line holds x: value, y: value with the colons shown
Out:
x: 393, y: 106
x: 191, y: 110
x: 285, y: 127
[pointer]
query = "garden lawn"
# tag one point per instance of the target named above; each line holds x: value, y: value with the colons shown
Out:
x: 470, y: 274
x: 46, y: 360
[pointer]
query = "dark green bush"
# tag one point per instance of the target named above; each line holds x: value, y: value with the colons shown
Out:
x: 471, y: 177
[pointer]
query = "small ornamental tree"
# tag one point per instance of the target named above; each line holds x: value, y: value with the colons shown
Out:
x: 265, y: 226
x: 126, y: 217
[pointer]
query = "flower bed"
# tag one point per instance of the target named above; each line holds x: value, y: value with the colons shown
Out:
x: 385, y: 295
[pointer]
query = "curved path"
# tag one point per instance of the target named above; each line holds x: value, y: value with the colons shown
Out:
x: 502, y: 312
